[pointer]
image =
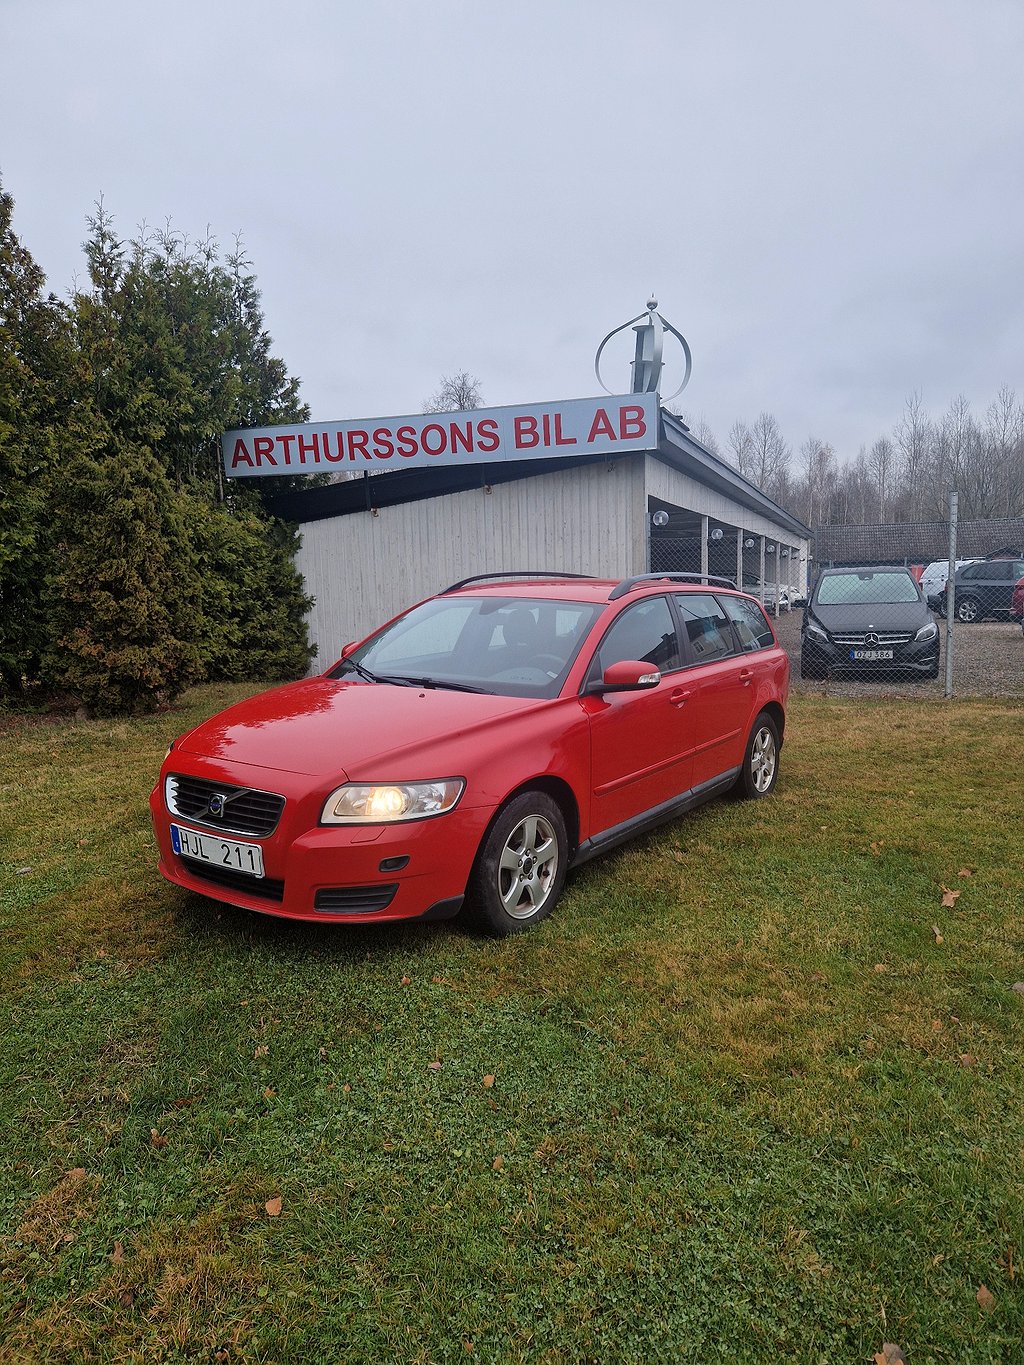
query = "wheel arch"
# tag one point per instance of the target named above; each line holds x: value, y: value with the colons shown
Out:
x: 560, y: 792
x: 778, y: 715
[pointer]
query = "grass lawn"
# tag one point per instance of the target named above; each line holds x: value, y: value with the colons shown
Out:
x: 754, y: 1093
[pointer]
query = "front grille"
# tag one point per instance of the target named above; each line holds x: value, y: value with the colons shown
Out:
x: 354, y: 900
x: 244, y: 811
x: 264, y: 887
x: 883, y: 638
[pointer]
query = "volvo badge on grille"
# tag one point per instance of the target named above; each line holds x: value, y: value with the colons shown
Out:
x: 216, y: 804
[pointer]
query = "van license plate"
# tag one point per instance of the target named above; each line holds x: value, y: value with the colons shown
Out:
x: 210, y: 848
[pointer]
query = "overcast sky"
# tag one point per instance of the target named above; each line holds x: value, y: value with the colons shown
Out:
x: 826, y: 198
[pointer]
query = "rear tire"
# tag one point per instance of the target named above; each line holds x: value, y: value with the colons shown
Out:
x: 521, y: 866
x: 968, y: 610
x: 760, y: 769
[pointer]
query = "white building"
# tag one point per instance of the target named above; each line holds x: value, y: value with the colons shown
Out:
x: 373, y: 545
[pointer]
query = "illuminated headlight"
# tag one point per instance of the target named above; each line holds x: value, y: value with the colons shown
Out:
x: 359, y: 803
x: 927, y: 632
x: 815, y: 631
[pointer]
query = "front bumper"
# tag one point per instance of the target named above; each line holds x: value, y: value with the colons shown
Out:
x: 914, y: 656
x: 352, y: 874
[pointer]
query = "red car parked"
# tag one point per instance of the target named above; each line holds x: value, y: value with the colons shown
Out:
x: 476, y: 748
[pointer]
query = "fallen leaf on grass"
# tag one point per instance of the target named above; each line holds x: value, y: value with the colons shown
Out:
x: 117, y: 1255
x: 261, y: 1051
x: 965, y: 872
x: 881, y: 967
x: 1018, y: 988
x: 949, y: 898
x: 273, y: 1206
x: 968, y: 1058
x: 986, y: 1299
x: 497, y: 1163
x: 269, y: 1094
x: 488, y: 1081
x: 406, y: 981
x: 937, y: 933
x: 434, y: 1066
x: 890, y: 1354
x: 155, y: 1138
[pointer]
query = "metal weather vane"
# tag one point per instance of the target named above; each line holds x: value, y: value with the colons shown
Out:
x: 647, y: 363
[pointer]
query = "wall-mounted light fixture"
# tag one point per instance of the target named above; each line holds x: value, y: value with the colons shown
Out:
x: 785, y: 554
x: 769, y: 549
x: 748, y: 544
x: 660, y: 518
x: 717, y: 533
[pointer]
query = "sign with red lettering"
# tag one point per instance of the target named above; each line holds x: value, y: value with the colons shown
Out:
x: 580, y: 426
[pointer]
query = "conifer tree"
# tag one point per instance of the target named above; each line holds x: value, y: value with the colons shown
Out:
x: 34, y: 349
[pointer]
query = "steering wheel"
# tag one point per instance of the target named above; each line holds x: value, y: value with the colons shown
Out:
x: 550, y: 663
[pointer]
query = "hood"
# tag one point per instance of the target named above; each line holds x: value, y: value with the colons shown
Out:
x: 323, y: 727
x: 882, y: 616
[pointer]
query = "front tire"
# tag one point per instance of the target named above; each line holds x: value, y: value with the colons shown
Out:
x: 760, y: 769
x: 521, y: 866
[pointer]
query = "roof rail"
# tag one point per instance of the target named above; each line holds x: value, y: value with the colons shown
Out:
x: 711, y: 580
x: 512, y: 573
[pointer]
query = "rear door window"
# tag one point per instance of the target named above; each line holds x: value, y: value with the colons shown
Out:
x: 706, y: 627
x: 749, y: 622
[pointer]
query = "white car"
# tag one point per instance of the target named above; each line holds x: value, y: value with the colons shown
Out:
x: 787, y: 598
x: 933, y: 580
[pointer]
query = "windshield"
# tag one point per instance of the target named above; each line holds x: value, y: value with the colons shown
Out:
x: 879, y: 586
x: 510, y: 646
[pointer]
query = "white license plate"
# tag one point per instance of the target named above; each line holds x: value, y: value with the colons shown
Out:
x: 210, y: 848
x: 870, y: 655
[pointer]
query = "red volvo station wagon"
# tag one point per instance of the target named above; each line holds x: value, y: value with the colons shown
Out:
x: 475, y: 749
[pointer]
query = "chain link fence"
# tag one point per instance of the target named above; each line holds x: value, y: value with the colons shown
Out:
x: 860, y: 627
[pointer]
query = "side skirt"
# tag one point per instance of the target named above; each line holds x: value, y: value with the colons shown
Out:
x: 651, y: 819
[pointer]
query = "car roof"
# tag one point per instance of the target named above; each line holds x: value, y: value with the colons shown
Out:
x: 580, y: 588
x: 867, y: 568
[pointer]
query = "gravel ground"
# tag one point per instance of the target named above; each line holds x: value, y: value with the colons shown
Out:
x: 988, y: 661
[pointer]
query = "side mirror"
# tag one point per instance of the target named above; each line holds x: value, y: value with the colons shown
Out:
x: 628, y: 675
x: 347, y: 650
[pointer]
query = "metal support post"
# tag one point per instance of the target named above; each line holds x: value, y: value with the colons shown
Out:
x: 950, y: 591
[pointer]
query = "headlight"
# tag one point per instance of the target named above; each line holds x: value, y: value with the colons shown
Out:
x: 384, y: 803
x: 815, y: 631
x: 927, y: 632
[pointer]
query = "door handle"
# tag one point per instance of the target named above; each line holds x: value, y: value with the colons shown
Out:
x: 680, y: 696
x: 745, y: 676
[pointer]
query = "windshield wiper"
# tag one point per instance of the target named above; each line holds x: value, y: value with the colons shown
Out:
x: 400, y: 680
x: 433, y: 683
x: 358, y: 668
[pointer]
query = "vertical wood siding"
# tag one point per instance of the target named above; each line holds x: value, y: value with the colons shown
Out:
x: 363, y: 569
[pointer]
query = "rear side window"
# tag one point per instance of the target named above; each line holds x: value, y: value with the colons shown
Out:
x: 707, y: 627
x: 645, y: 632
x: 750, y: 623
